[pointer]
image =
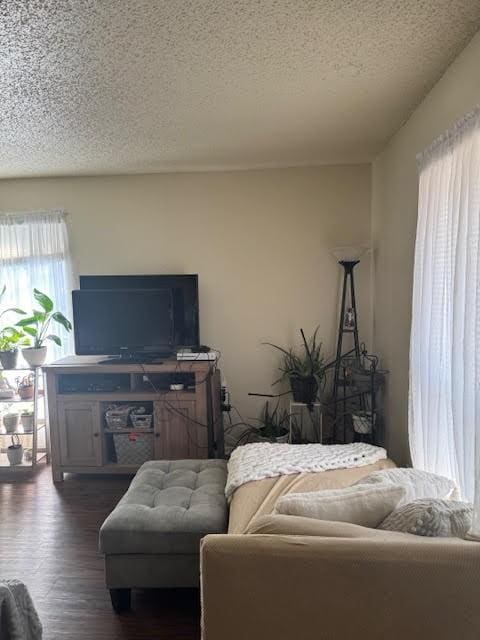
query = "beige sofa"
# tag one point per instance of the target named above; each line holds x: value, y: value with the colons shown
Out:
x: 278, y: 577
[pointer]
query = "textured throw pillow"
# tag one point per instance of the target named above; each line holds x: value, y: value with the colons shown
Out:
x: 434, y: 518
x: 365, y: 505
x: 417, y: 484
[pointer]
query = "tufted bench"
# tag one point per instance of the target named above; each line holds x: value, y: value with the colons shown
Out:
x: 152, y: 537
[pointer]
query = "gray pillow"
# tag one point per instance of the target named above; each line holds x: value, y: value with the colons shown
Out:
x: 431, y: 517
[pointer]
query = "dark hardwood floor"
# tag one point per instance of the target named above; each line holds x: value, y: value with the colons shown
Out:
x: 49, y: 539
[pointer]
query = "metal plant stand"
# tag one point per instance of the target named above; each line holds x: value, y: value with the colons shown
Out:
x: 35, y: 440
x: 347, y: 325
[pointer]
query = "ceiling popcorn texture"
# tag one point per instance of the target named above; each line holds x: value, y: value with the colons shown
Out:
x: 138, y: 86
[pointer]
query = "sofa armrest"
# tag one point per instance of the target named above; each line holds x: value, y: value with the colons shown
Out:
x: 275, y: 587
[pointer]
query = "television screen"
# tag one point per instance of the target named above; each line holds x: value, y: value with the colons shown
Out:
x: 120, y: 321
x: 184, y: 288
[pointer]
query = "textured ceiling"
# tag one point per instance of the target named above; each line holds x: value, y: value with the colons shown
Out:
x: 120, y: 86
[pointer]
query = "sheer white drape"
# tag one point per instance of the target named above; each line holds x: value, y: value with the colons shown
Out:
x: 34, y: 253
x: 444, y: 411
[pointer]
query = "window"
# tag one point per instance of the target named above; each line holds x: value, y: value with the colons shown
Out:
x: 34, y: 253
x: 444, y: 413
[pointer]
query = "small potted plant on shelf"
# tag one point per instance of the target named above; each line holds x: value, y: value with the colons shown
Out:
x: 15, y: 451
x: 37, y: 327
x: 25, y: 387
x: 11, y: 338
x: 6, y: 390
x: 27, y: 420
x: 11, y: 421
x: 305, y: 370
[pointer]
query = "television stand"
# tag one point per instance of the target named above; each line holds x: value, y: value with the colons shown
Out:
x: 185, y: 423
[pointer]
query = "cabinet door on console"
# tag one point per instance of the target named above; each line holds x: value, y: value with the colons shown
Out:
x: 178, y: 435
x: 79, y: 432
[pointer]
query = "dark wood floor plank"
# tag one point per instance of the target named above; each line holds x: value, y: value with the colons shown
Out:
x: 49, y: 539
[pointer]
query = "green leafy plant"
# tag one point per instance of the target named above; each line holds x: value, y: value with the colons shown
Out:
x: 308, y: 363
x: 38, y: 324
x: 11, y: 338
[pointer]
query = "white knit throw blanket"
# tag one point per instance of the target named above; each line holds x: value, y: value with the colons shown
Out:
x: 266, y: 460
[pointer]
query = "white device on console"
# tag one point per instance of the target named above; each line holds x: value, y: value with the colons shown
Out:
x: 188, y: 354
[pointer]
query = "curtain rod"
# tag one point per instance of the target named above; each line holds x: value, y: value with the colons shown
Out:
x: 38, y: 212
x: 450, y: 136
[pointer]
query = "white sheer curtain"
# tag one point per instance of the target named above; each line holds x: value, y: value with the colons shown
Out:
x: 444, y: 412
x: 34, y: 253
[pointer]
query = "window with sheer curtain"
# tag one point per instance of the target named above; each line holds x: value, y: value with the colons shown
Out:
x: 444, y: 413
x: 34, y: 253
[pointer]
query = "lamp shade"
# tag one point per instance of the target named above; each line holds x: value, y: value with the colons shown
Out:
x: 349, y: 254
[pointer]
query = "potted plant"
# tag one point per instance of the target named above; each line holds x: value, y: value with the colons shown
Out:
x: 37, y: 327
x: 27, y: 420
x: 25, y: 387
x: 10, y: 338
x: 15, y: 451
x: 10, y: 421
x: 6, y: 391
x: 273, y: 425
x: 305, y: 370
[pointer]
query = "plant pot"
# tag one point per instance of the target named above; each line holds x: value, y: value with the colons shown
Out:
x: 26, y: 393
x: 362, y: 422
x: 304, y: 389
x: 35, y: 357
x: 27, y: 423
x: 278, y: 440
x: 9, y: 359
x: 15, y: 454
x: 10, y: 422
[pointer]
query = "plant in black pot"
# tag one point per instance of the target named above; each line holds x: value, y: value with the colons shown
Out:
x: 304, y: 370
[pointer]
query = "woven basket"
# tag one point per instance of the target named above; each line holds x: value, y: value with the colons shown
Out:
x: 133, y: 448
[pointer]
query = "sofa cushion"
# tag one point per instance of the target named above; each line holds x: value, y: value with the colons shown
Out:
x: 433, y: 518
x: 168, y: 508
x: 417, y: 483
x: 361, y: 504
x: 278, y: 524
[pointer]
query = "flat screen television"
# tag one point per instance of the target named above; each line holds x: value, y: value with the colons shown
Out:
x: 184, y: 288
x: 130, y: 323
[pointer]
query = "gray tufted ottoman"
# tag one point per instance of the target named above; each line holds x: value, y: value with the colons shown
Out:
x: 152, y: 537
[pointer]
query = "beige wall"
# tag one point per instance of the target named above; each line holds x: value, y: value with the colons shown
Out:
x: 259, y: 240
x: 394, y: 213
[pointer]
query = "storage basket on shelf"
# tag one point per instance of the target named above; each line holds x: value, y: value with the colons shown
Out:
x: 116, y: 417
x: 133, y: 448
x: 141, y: 421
